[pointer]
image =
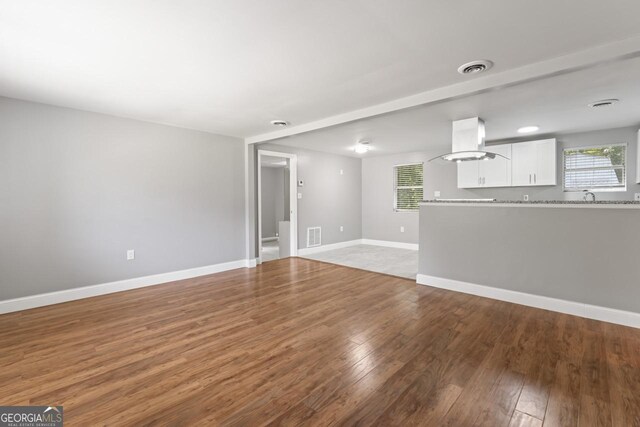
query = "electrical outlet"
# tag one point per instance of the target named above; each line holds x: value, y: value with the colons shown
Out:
x: 637, y: 197
x: 341, y: 228
x: 436, y: 194
x: 401, y: 229
x: 526, y: 197
x: 131, y: 255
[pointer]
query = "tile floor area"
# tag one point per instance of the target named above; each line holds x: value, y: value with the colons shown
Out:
x: 397, y: 262
x: 270, y: 251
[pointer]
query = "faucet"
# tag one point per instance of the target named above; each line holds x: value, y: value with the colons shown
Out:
x: 588, y: 194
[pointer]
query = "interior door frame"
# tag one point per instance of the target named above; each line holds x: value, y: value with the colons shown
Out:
x: 293, y: 199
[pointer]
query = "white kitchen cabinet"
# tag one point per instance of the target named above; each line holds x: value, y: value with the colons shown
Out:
x: 468, y: 174
x: 496, y: 172
x: 534, y: 163
x: 487, y: 173
x: 523, y: 162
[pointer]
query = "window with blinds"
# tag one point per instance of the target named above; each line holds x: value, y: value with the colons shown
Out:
x: 601, y: 168
x: 408, y: 182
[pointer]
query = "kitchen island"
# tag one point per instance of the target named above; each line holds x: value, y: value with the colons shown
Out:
x: 581, y: 258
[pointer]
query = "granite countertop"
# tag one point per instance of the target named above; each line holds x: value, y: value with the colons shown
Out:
x: 539, y: 202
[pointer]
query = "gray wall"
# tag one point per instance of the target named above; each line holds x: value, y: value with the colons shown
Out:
x: 78, y: 189
x: 329, y: 200
x: 273, y: 204
x: 380, y: 222
x: 586, y: 255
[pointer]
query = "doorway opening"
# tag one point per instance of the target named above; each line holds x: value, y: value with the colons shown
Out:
x: 277, y: 205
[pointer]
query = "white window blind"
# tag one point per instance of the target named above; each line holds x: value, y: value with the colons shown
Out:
x: 595, y: 168
x: 408, y: 181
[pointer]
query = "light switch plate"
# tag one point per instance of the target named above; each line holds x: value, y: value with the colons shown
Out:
x: 341, y: 228
x: 131, y: 255
x: 299, y: 195
x: 402, y: 229
x: 637, y: 197
x: 341, y: 172
x: 436, y: 194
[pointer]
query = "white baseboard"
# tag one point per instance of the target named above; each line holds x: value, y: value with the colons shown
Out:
x: 323, y: 248
x: 605, y: 314
x: 40, y: 300
x: 399, y: 245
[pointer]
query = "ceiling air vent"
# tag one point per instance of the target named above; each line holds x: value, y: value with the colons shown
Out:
x: 475, y: 67
x: 314, y: 237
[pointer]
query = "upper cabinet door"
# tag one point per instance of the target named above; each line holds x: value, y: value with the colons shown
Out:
x: 547, y: 167
x: 496, y: 172
x: 468, y: 174
x: 523, y: 163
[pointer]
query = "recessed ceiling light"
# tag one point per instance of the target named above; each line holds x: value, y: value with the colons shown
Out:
x: 604, y: 103
x: 528, y: 129
x: 280, y: 123
x: 475, y: 67
x: 362, y: 147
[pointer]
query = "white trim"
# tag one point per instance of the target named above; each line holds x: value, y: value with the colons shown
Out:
x: 247, y: 229
x: 388, y: 244
x: 329, y: 247
x: 293, y: 200
x: 591, y: 57
x: 40, y: 300
x: 604, y: 314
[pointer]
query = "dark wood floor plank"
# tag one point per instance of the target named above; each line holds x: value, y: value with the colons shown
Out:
x: 300, y: 342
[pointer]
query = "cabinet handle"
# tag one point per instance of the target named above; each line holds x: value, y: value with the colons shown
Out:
x: 529, y: 178
x: 535, y: 178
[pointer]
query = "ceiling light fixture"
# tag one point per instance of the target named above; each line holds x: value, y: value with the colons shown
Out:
x: 362, y: 147
x: 280, y: 123
x: 528, y: 129
x: 604, y: 103
x: 475, y: 67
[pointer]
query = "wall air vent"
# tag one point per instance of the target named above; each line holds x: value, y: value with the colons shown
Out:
x: 314, y: 237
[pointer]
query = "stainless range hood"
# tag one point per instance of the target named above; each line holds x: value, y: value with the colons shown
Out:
x: 467, y: 142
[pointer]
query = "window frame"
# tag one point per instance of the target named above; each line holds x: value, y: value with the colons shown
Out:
x: 595, y: 189
x: 396, y: 187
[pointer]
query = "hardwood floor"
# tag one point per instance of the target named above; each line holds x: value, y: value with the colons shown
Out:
x: 300, y: 342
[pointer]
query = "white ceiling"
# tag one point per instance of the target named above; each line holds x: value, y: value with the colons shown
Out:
x: 231, y: 66
x: 556, y: 104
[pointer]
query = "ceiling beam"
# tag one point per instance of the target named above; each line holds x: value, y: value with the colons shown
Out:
x: 597, y: 55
